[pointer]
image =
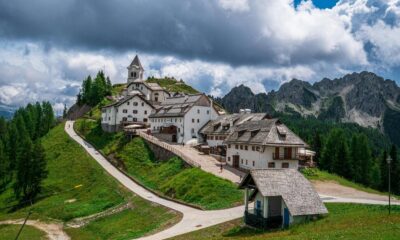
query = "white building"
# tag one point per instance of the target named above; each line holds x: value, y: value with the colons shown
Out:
x: 263, y: 144
x: 132, y: 109
x: 136, y: 103
x: 180, y: 118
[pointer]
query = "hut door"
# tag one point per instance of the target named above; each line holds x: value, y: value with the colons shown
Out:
x: 285, y: 218
x: 235, y: 161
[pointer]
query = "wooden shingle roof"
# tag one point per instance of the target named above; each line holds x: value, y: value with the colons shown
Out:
x: 295, y: 190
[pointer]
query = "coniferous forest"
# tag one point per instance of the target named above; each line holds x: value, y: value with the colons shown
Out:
x: 356, y: 153
x: 22, y: 162
x: 94, y: 90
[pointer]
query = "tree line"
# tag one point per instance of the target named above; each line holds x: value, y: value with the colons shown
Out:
x: 349, y: 150
x: 22, y: 159
x: 93, y: 91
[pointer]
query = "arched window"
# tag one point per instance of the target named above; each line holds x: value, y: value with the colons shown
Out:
x: 134, y: 74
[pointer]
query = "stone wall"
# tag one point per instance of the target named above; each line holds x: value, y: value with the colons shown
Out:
x: 160, y: 153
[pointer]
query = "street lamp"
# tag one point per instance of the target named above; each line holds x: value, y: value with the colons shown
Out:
x: 389, y: 160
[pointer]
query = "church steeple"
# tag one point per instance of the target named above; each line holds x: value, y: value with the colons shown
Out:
x: 135, y: 70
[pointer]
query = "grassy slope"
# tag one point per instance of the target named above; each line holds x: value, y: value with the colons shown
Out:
x: 173, y: 85
x: 8, y: 232
x: 316, y: 174
x: 171, y: 178
x: 69, y: 165
x: 345, y: 221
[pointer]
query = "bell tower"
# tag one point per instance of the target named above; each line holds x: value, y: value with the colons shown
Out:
x: 135, y: 71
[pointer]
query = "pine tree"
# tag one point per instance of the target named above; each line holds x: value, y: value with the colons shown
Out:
x: 394, y: 171
x: 23, y: 165
x: 376, y: 176
x: 384, y: 171
x: 317, y: 146
x: 4, y: 166
x: 355, y: 158
x: 329, y: 152
x: 65, y: 111
x: 365, y: 156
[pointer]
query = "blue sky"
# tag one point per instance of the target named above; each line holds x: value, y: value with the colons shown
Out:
x: 320, y: 3
x: 47, y: 47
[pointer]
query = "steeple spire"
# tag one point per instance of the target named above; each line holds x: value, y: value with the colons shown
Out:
x: 136, y: 62
x: 135, y: 70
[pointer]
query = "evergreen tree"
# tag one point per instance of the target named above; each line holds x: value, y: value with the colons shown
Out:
x: 384, y: 171
x: 48, y: 119
x: 376, y: 176
x: 342, y: 162
x: 329, y: 152
x: 65, y: 111
x: 356, y: 158
x: 317, y: 146
x: 4, y: 166
x: 365, y: 156
x: 394, y: 171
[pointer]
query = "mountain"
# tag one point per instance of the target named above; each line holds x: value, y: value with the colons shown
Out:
x: 6, y: 111
x: 363, y: 98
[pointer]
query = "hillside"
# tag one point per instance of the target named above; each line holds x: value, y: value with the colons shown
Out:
x: 345, y: 221
x: 173, y: 85
x: 77, y: 187
x: 363, y: 98
x: 170, y: 178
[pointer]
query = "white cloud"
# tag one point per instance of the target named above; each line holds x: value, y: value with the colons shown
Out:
x: 235, y: 5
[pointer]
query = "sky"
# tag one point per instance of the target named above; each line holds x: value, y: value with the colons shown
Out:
x: 48, y: 47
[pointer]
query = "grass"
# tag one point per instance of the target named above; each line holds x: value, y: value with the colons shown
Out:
x: 172, y: 85
x: 345, y: 221
x: 69, y: 166
x: 171, y: 178
x: 316, y: 174
x: 9, y: 232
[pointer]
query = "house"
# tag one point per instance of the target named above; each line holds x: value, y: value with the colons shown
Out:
x: 261, y: 144
x: 179, y: 119
x: 131, y: 109
x: 135, y: 104
x: 216, y: 131
x: 281, y: 197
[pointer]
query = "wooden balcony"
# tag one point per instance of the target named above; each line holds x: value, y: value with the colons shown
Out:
x: 285, y: 156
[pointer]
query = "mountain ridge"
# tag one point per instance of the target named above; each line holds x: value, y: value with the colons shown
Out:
x: 363, y: 98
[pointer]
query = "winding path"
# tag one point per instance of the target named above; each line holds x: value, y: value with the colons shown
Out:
x: 54, y: 231
x: 193, y: 219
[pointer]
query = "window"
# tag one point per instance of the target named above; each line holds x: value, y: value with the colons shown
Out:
x: 211, y: 137
x: 198, y: 111
x: 229, y: 146
x: 257, y: 148
x: 142, y: 104
x: 125, y: 111
x: 144, y: 119
x: 131, y: 74
x: 145, y: 112
x: 198, y: 120
x: 245, y: 148
x: 208, y: 112
x: 229, y: 159
x: 241, y: 160
x: 192, y: 120
x: 253, y: 148
x: 271, y: 165
x: 236, y: 146
x: 253, y: 163
x: 134, y: 111
x: 127, y: 103
x: 285, y: 165
x: 192, y: 130
x: 134, y: 119
x: 246, y: 162
x: 109, y: 118
x: 134, y: 103
x: 134, y: 74
x: 124, y: 119
x: 241, y: 147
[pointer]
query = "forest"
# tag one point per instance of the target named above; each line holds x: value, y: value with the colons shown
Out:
x: 22, y: 162
x: 356, y: 153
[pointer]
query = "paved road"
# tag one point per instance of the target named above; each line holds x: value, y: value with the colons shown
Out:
x: 193, y: 219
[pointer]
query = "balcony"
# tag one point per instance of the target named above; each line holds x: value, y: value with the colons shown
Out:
x: 283, y: 156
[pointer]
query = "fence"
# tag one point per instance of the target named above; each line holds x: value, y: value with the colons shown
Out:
x: 168, y: 147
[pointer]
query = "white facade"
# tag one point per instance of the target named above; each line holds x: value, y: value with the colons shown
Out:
x: 133, y: 110
x: 188, y: 126
x: 151, y: 95
x: 259, y: 157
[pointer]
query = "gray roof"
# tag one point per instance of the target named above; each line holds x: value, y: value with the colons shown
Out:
x: 123, y: 100
x: 297, y: 192
x: 177, y: 106
x: 265, y: 132
x: 225, y: 124
x: 136, y: 62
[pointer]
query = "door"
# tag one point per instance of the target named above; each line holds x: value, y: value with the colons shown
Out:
x: 285, y: 217
x: 235, y: 161
x: 174, y: 138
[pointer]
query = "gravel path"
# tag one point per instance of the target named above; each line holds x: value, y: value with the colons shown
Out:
x: 54, y: 231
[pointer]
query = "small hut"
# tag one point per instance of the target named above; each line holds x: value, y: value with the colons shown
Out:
x: 281, y: 197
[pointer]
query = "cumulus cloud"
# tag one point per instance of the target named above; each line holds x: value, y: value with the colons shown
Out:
x: 211, y: 45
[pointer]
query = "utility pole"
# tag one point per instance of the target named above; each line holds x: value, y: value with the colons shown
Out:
x: 26, y: 219
x: 389, y: 160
